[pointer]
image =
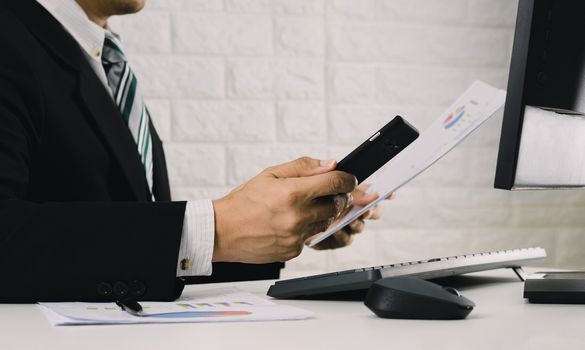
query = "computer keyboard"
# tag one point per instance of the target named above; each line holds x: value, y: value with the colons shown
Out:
x: 355, y: 282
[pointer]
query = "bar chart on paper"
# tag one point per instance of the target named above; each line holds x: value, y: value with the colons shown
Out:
x: 216, y: 305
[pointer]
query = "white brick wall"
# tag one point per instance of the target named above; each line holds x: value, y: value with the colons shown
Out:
x: 238, y: 85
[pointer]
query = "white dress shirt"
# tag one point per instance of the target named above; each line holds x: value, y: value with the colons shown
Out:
x: 198, y: 226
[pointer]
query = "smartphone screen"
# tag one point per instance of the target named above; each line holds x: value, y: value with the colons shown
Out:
x: 376, y: 151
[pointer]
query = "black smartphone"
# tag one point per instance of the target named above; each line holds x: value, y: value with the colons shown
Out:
x: 376, y: 151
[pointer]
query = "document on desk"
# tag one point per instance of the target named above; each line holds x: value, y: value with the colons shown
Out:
x: 465, y: 115
x: 215, y: 305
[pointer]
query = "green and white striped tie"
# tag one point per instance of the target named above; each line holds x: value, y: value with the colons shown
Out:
x: 127, y: 96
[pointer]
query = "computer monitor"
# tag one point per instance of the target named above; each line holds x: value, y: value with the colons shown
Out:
x: 542, y: 142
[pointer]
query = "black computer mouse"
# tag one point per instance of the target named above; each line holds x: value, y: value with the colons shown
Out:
x: 413, y: 298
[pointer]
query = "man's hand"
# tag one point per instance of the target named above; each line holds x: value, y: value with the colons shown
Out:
x: 344, y: 237
x: 269, y: 218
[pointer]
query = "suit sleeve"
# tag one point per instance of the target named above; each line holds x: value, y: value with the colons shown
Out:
x: 72, y: 251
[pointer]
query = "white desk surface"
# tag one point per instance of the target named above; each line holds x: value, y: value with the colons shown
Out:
x: 501, y: 320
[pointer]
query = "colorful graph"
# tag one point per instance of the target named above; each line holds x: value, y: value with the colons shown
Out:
x: 197, y: 314
x: 191, y: 310
x: 214, y: 304
x: 453, y: 118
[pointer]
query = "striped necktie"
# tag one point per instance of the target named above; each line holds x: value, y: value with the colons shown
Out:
x: 128, y: 98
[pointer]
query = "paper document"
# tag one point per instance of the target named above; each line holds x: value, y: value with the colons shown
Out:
x: 466, y: 114
x: 216, y: 305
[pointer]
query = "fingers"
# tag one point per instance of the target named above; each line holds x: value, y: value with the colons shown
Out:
x: 302, y: 167
x: 357, y: 226
x: 374, y: 213
x: 345, y: 236
x: 326, y: 208
x: 361, y: 198
x: 364, y: 187
x: 322, y: 212
x: 342, y: 239
x: 331, y: 183
x: 337, y: 240
x: 316, y: 227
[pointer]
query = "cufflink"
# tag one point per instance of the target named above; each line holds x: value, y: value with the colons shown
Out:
x: 185, y: 264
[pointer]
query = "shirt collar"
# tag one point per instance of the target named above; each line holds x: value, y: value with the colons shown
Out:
x: 88, y: 34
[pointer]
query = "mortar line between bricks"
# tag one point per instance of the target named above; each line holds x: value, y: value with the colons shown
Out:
x: 418, y: 23
x: 315, y: 59
x: 199, y: 56
x: 395, y: 64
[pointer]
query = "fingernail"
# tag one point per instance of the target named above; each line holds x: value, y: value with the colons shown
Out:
x: 327, y: 163
x: 349, y: 200
x: 339, y: 202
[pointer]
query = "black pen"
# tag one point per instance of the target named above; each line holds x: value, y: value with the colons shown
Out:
x: 130, y: 306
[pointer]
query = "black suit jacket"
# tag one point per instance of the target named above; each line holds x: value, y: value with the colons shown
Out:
x: 76, y: 222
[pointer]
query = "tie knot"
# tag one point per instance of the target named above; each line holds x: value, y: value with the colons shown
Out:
x: 112, y: 52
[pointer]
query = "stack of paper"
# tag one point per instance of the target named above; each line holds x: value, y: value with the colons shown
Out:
x: 217, y: 305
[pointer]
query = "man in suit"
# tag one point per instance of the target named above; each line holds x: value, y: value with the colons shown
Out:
x: 85, y: 207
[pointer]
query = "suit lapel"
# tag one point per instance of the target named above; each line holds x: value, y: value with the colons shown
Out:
x: 101, y: 110
x: 107, y: 118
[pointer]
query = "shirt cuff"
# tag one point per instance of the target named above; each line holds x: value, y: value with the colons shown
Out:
x: 196, y: 251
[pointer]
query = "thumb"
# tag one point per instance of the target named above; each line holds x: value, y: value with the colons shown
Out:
x: 302, y: 167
